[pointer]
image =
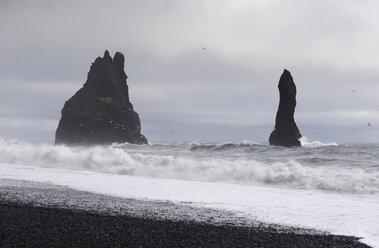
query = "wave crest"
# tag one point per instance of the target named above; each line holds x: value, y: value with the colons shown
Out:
x: 194, y: 146
x: 306, y: 143
x: 119, y: 160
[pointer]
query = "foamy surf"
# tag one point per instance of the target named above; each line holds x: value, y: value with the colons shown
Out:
x: 320, y: 186
x: 342, y: 214
x: 237, y: 163
x: 306, y: 143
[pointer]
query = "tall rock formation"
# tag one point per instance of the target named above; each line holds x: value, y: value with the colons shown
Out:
x: 100, y: 112
x: 286, y: 132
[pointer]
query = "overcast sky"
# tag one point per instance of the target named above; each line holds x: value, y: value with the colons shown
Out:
x: 225, y: 92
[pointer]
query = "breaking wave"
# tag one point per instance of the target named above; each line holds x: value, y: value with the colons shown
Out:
x: 306, y: 143
x: 194, y: 146
x: 144, y: 161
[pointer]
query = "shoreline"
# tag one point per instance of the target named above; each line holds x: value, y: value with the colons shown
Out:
x: 36, y: 215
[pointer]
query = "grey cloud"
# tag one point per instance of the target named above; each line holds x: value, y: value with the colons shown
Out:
x: 30, y: 129
x: 227, y: 90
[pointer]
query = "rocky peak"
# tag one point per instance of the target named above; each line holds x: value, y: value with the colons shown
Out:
x: 286, y: 132
x: 106, y: 56
x: 100, y: 112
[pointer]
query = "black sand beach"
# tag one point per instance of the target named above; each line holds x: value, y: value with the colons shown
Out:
x: 35, y: 215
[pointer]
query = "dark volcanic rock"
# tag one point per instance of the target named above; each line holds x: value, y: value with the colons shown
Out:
x: 100, y: 112
x: 286, y: 132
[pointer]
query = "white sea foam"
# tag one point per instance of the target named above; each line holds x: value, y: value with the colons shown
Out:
x: 117, y: 159
x: 344, y: 214
x: 322, y: 186
x: 306, y: 143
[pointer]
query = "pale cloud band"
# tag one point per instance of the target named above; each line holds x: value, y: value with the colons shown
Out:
x: 208, y: 68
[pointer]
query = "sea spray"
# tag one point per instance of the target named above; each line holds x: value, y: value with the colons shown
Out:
x: 311, y: 167
x: 319, y: 186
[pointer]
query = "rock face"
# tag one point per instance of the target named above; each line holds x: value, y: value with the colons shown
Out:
x: 286, y: 132
x: 100, y: 112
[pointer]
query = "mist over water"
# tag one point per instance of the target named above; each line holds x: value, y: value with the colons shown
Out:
x: 340, y: 168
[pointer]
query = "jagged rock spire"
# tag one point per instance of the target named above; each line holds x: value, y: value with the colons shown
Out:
x: 286, y: 132
x: 100, y: 112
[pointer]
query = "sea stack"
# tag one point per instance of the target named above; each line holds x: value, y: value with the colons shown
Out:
x: 100, y: 112
x: 286, y: 132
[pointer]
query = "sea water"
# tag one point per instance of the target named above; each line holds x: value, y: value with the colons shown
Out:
x: 323, y: 186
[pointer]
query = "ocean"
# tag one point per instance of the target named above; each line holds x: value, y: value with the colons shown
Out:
x: 322, y: 186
